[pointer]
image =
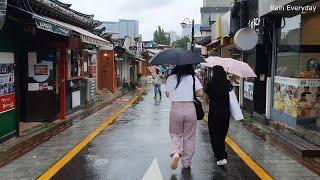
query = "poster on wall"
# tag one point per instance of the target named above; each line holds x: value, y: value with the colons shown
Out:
x: 7, y: 88
x: 248, y: 90
x: 76, y: 99
x: 299, y: 98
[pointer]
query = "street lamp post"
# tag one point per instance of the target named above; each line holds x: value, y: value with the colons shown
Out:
x: 188, y: 23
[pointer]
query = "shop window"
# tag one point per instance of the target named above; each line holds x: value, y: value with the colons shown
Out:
x: 289, y: 47
x: 297, y: 81
x: 75, y: 64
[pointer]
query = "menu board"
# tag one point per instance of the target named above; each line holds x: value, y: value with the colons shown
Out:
x: 299, y: 98
x: 7, y: 88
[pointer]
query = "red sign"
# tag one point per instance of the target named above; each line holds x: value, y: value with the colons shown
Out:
x: 40, y: 69
x: 7, y: 102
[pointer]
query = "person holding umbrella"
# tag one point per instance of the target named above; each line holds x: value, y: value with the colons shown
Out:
x: 183, y: 117
x: 179, y: 88
x: 218, y: 88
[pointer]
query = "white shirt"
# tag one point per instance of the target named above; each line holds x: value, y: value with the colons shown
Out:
x: 184, y: 92
x: 157, y: 79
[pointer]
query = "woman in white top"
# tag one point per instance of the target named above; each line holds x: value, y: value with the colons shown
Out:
x: 183, y: 117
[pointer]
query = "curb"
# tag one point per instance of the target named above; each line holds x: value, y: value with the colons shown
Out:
x: 22, y: 145
x: 59, y: 164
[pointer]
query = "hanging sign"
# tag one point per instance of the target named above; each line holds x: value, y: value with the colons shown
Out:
x: 254, y: 23
x: 3, y: 8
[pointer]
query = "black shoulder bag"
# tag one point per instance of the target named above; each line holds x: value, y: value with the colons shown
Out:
x: 197, y: 103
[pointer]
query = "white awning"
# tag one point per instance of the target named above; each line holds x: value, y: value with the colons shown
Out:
x: 62, y: 28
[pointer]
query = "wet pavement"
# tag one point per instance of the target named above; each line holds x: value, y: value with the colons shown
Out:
x: 126, y: 149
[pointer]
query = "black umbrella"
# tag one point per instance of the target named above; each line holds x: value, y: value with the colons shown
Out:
x: 176, y: 56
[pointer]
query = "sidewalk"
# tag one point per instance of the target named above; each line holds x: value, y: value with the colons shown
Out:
x: 36, y: 134
x: 276, y: 163
x: 35, y: 162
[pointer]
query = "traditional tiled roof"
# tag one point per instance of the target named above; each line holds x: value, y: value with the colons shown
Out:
x: 61, y: 11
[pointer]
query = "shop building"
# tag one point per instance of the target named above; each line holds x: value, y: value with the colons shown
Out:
x: 44, y: 62
x: 295, y: 70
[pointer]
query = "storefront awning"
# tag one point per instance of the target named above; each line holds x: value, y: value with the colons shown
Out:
x: 203, y: 41
x: 65, y: 29
x: 214, y: 44
x: 139, y: 59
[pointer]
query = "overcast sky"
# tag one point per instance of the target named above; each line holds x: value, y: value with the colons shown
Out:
x: 150, y: 13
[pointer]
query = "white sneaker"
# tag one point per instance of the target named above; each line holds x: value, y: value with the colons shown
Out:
x: 222, y: 162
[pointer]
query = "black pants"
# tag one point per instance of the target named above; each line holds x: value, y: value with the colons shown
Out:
x: 218, y: 129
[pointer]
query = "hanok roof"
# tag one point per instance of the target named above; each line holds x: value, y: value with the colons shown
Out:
x: 60, y: 11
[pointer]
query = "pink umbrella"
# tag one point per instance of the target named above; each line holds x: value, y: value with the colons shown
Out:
x: 232, y: 66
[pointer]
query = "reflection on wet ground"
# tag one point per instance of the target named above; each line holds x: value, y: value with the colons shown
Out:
x: 126, y: 149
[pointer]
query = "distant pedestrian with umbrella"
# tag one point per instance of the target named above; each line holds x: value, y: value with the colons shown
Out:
x: 218, y: 88
x: 183, y: 117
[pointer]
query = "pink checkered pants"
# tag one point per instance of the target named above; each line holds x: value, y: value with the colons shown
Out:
x: 182, y: 128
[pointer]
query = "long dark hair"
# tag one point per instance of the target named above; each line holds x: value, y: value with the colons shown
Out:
x: 182, y: 71
x: 220, y: 80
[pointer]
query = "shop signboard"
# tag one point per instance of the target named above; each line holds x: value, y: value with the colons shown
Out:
x: 3, y: 8
x: 139, y: 47
x: 297, y: 97
x: 248, y: 90
x: 40, y: 70
x: 7, y: 103
x: 49, y: 26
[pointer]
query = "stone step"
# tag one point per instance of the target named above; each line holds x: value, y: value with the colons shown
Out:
x: 297, y: 144
x: 20, y: 146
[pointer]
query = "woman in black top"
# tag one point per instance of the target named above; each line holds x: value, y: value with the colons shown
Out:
x: 217, y: 89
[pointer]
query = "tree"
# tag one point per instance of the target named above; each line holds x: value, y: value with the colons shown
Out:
x: 159, y: 36
x: 181, y: 43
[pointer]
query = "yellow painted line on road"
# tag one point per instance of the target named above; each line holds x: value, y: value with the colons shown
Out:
x: 66, y: 158
x: 260, y: 172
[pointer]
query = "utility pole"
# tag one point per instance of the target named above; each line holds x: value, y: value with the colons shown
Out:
x: 192, y: 36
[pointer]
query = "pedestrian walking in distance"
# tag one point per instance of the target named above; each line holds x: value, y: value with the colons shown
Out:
x: 183, y: 117
x: 217, y: 89
x: 157, y: 83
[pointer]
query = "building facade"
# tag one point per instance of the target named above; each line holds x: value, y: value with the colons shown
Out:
x: 122, y: 28
x: 210, y: 11
x: 45, y: 62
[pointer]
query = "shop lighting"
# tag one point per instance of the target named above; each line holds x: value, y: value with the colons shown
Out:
x: 105, y: 55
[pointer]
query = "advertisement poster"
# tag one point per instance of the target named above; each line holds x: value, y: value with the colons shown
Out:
x: 299, y: 98
x: 248, y: 90
x: 7, y: 89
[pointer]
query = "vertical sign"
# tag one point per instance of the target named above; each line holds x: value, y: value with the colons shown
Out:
x: 3, y: 8
x: 248, y: 90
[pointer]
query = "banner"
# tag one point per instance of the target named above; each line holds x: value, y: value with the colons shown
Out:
x: 7, y: 88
